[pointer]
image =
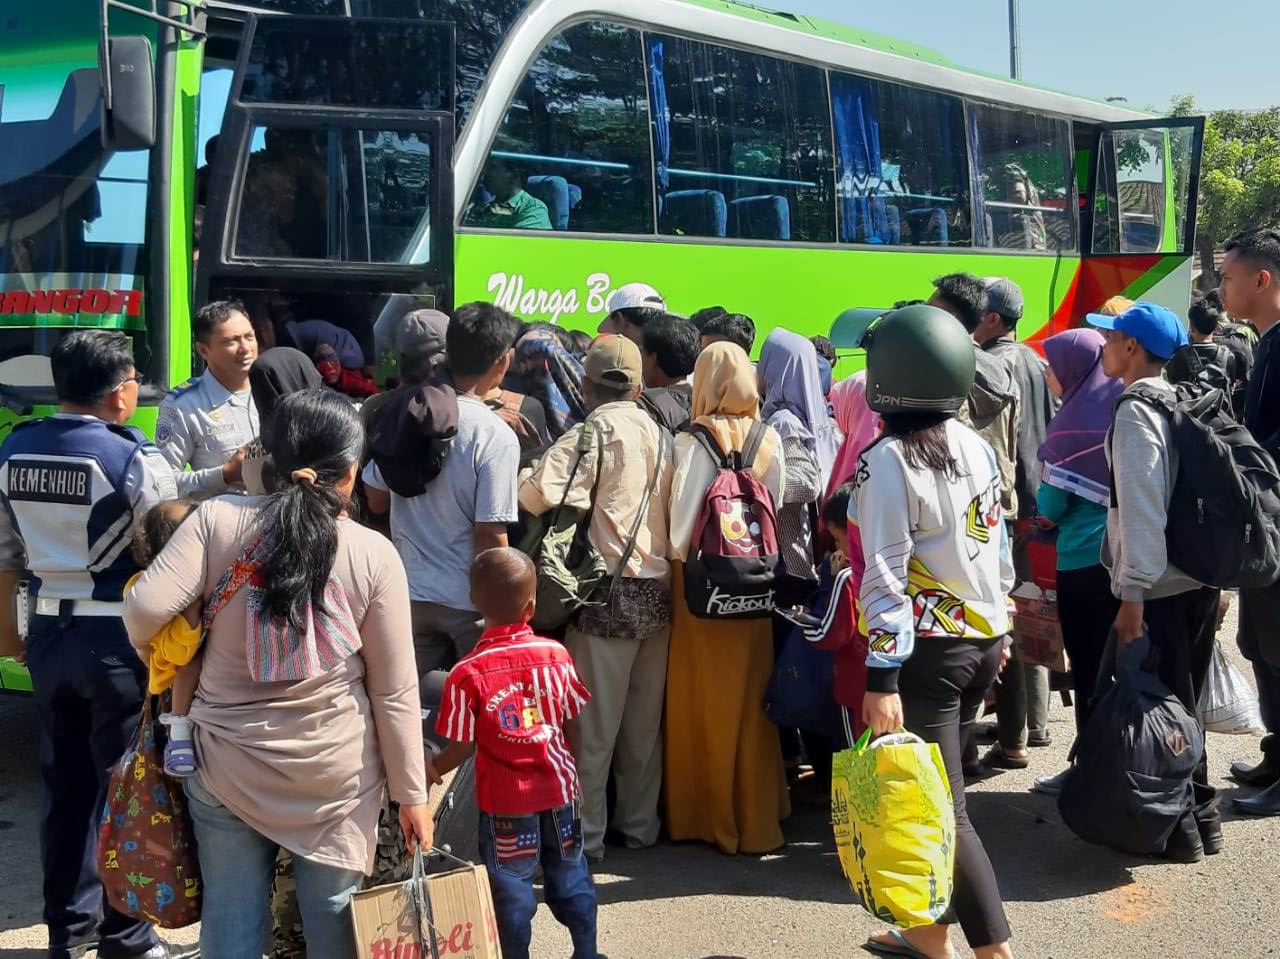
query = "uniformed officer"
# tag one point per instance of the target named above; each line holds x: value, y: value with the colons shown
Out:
x: 209, y: 420
x: 72, y: 488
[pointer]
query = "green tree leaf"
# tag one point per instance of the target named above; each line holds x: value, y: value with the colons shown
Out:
x: 1239, y: 176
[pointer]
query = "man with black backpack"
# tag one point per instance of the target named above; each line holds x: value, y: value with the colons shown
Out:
x: 1224, y: 352
x: 1250, y: 290
x: 449, y: 505
x: 1157, y: 597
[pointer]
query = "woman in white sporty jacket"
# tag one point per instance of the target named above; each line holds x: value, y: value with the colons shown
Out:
x: 933, y: 600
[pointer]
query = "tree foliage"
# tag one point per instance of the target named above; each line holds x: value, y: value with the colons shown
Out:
x: 1239, y: 176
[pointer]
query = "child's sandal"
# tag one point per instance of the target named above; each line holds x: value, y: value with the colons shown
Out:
x: 180, y: 758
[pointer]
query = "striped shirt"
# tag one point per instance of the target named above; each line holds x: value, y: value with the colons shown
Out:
x: 511, y: 696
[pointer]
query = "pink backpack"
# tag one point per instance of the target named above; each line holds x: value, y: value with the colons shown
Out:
x: 734, y: 564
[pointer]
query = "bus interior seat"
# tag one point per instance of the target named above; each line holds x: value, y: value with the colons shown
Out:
x: 695, y: 213
x: 929, y: 226
x: 558, y: 194
x: 893, y: 217
x: 857, y: 216
x: 761, y: 217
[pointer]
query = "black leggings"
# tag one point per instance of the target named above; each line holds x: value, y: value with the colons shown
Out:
x: 1087, y: 609
x: 944, y: 681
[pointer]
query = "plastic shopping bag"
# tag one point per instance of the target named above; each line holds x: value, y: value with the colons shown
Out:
x: 895, y: 827
x: 1228, y: 703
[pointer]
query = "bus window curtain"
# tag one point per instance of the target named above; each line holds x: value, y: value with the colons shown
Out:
x: 858, y: 148
x: 661, y: 122
x: 982, y: 227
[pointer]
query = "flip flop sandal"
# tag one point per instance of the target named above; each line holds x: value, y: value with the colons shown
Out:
x: 180, y: 758
x: 997, y: 758
x: 901, y: 947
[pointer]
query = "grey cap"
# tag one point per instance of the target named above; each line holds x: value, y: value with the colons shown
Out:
x: 1004, y: 297
x: 422, y: 333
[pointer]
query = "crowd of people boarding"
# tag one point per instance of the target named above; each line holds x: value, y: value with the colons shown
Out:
x: 308, y: 569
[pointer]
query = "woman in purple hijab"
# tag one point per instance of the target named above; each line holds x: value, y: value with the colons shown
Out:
x: 1074, y: 491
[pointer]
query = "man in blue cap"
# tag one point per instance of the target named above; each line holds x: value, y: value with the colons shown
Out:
x: 1180, y: 614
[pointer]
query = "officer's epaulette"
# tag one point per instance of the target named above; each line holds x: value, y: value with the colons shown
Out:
x: 181, y: 388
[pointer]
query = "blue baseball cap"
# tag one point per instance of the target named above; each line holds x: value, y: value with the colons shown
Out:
x: 1157, y: 329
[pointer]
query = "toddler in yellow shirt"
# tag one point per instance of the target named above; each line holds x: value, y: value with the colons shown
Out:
x: 174, y: 662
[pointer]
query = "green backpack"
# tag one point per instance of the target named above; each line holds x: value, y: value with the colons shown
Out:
x: 569, y: 566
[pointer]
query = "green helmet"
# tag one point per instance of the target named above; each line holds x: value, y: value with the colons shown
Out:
x: 919, y: 359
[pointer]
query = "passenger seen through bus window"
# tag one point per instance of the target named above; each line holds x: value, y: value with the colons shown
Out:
x: 509, y: 206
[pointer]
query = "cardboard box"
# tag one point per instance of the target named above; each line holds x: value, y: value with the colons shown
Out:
x: 465, y: 924
x: 1037, y: 634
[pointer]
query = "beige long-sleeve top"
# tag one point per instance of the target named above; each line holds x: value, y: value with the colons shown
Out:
x: 695, y: 471
x: 633, y: 447
x: 304, y: 763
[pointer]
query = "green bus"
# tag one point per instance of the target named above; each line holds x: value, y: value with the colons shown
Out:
x: 353, y: 159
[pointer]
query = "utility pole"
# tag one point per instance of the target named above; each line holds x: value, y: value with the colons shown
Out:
x: 1015, y: 42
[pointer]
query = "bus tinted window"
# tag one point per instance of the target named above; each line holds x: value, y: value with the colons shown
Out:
x: 1024, y: 167
x: 359, y: 196
x: 741, y: 142
x: 902, y: 166
x: 481, y: 25
x: 392, y: 65
x: 573, y: 151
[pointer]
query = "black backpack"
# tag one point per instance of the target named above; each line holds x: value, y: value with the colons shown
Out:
x: 1207, y: 365
x: 1223, y: 525
x: 410, y: 435
x: 1130, y: 781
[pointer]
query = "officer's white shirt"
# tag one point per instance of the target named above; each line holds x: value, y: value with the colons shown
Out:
x: 61, y: 561
x: 202, y: 423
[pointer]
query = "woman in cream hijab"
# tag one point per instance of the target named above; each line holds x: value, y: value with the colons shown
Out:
x: 725, y: 782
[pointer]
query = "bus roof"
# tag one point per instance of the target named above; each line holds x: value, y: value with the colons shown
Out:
x: 855, y: 36
x: 843, y: 32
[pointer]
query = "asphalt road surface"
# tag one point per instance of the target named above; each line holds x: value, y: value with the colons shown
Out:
x: 1065, y: 899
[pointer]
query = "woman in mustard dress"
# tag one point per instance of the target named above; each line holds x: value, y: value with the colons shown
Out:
x: 724, y: 776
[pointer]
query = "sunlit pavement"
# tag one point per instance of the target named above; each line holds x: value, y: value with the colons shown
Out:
x: 1065, y: 899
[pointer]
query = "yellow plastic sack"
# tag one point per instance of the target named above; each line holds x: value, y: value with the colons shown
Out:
x: 895, y: 828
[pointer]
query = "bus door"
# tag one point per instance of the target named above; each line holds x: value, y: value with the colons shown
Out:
x: 1138, y: 215
x: 331, y: 192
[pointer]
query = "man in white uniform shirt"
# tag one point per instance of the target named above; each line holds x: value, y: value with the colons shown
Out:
x: 208, y: 421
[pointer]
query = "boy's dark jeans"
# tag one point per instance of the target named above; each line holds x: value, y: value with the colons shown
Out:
x: 512, y: 847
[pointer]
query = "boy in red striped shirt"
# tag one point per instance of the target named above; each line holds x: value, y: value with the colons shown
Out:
x: 513, y: 700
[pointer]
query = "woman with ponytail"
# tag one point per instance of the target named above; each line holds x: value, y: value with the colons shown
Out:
x: 307, y: 706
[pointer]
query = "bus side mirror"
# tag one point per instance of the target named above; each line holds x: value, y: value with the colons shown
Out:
x: 128, y: 94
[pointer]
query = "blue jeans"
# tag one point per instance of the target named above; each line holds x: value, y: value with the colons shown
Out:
x: 512, y: 847
x: 237, y: 864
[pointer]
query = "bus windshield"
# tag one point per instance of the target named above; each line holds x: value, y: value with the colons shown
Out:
x: 72, y: 220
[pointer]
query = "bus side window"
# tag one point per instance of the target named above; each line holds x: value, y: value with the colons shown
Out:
x: 902, y: 165
x: 1024, y: 162
x: 741, y: 143
x: 1141, y: 196
x: 572, y: 153
x: 322, y: 192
